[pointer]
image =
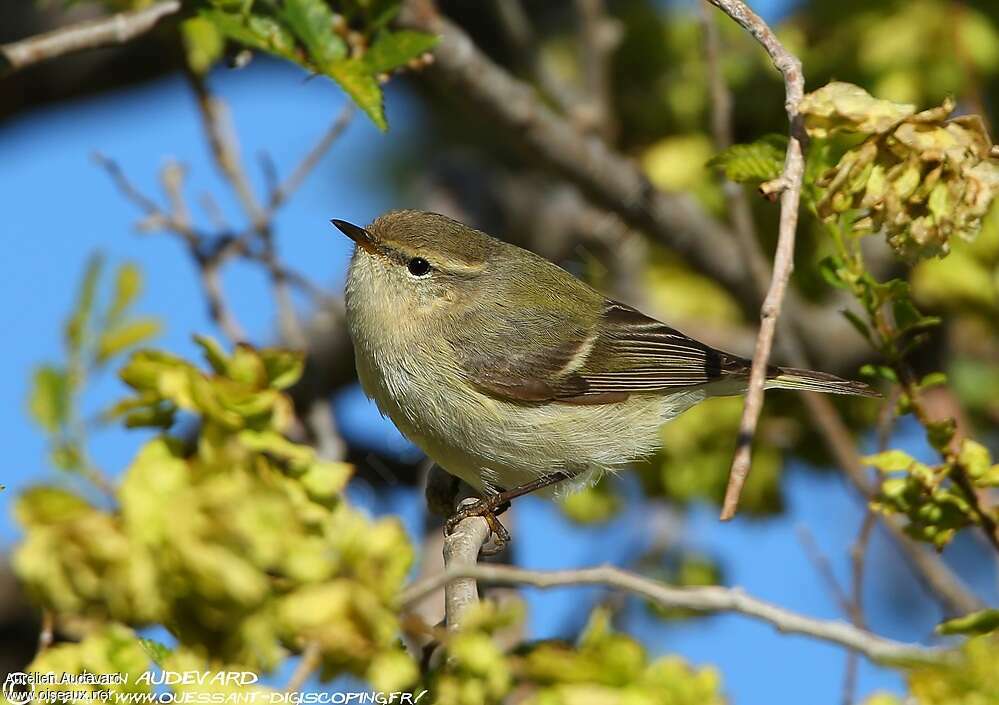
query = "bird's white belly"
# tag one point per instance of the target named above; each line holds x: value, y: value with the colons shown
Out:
x: 493, y: 444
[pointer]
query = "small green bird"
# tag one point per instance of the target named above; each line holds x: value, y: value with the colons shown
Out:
x: 512, y: 374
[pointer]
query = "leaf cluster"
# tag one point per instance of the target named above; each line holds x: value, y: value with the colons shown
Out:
x: 919, y: 178
x: 242, y: 546
x: 936, y: 507
x: 604, y: 666
x: 350, y: 42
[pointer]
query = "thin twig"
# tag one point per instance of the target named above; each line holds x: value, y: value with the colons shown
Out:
x: 789, y: 187
x: 105, y: 31
x: 286, y: 188
x: 218, y: 129
x: 823, y: 568
x: 176, y: 221
x: 309, y: 662
x: 858, y: 555
x: 46, y: 635
x: 705, y: 599
x: 739, y: 210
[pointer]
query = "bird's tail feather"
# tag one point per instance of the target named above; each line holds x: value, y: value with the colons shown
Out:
x: 792, y: 378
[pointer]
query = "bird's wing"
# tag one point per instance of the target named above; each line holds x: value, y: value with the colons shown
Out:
x: 636, y: 353
x: 620, y: 353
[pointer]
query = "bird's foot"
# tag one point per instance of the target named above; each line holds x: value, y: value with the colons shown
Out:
x: 488, y: 509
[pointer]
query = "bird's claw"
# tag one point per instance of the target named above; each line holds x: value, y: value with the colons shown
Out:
x: 487, y: 509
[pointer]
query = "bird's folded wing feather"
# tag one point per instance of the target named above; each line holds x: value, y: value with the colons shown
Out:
x: 621, y: 352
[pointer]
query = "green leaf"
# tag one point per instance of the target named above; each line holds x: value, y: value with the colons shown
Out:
x: 203, y: 43
x: 312, y: 23
x: 860, y: 325
x: 940, y: 433
x: 974, y: 458
x: 981, y: 622
x: 156, y: 651
x: 890, y: 461
x: 356, y: 79
x: 49, y: 398
x: 933, y: 379
x: 395, y: 49
x: 256, y: 31
x: 125, y: 336
x: 127, y: 286
x: 214, y: 354
x: 831, y: 269
x: 76, y: 326
x: 761, y: 160
x: 284, y: 367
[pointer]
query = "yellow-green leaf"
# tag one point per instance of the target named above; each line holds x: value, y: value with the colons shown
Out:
x: 126, y: 336
x: 76, y: 326
x: 981, y: 622
x: 356, y: 79
x: 394, y: 49
x: 844, y: 107
x: 890, y: 461
x: 761, y: 160
x: 203, y: 43
x: 974, y: 458
x: 127, y: 286
x: 49, y: 399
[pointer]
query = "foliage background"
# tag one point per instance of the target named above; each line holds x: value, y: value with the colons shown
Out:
x: 58, y: 207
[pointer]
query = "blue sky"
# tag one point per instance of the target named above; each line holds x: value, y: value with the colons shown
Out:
x: 58, y: 207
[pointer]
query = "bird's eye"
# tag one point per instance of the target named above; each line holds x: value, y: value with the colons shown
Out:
x: 418, y: 267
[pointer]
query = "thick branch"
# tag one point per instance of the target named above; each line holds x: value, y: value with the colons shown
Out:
x: 106, y: 31
x: 789, y: 186
x: 707, y: 599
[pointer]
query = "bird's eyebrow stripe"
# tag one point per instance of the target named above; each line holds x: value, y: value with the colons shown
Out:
x: 453, y: 266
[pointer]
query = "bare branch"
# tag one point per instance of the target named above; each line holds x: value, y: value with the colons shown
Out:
x: 218, y: 129
x: 519, y: 34
x: 461, y: 552
x: 177, y: 221
x: 789, y: 186
x: 285, y: 189
x: 858, y: 555
x: 823, y: 568
x: 105, y: 31
x: 309, y: 662
x: 739, y: 211
x: 599, y: 36
x: 706, y: 599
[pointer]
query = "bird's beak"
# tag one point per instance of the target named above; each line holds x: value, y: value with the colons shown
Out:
x: 358, y: 234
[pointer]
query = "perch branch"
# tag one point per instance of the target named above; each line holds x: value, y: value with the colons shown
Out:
x: 706, y: 599
x: 461, y: 552
x: 789, y: 187
x: 105, y: 31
